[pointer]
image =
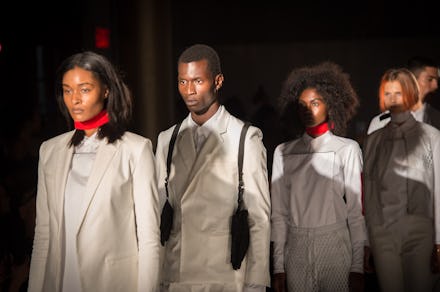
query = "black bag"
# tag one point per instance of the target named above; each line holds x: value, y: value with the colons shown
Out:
x: 166, y: 222
x: 239, y: 222
x: 240, y: 237
x: 166, y: 217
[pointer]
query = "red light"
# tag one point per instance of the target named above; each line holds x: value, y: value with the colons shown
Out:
x: 102, y: 38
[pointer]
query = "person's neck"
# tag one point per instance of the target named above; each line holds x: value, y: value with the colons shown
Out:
x: 92, y: 125
x: 400, y: 117
x: 417, y: 106
x: 318, y: 130
x: 200, y: 119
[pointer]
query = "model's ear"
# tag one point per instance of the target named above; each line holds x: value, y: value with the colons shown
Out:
x: 219, y: 81
x: 106, y: 93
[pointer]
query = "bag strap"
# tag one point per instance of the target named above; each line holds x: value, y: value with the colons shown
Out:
x: 170, y: 153
x: 240, y: 164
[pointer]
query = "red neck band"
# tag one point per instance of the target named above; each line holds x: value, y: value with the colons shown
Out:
x: 96, y: 122
x: 318, y: 130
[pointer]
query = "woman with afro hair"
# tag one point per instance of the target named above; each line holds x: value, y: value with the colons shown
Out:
x: 318, y: 229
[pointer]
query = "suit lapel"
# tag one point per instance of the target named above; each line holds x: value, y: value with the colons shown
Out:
x: 63, y: 159
x: 213, y: 146
x: 104, y: 155
x: 210, y: 149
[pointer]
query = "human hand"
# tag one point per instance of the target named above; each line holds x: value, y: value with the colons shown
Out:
x: 279, y: 282
x: 356, y: 282
x: 368, y: 260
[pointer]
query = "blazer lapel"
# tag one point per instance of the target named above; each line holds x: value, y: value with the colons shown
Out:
x: 103, y: 157
x: 63, y: 158
x: 209, y: 149
x: 212, y: 147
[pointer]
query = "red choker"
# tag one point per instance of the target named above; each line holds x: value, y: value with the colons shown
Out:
x: 318, y: 130
x: 96, y: 122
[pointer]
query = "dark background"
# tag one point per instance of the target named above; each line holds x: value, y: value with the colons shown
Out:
x: 259, y: 43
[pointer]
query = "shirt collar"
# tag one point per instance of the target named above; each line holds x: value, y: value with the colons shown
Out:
x: 401, y: 123
x: 209, y: 125
x: 88, y: 144
x: 315, y: 143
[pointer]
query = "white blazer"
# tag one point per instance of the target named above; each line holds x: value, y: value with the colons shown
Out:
x: 203, y: 192
x: 118, y: 235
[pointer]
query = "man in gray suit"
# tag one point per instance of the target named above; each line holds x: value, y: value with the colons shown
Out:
x: 203, y: 187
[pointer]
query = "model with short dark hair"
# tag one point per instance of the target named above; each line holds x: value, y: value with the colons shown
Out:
x: 203, y: 187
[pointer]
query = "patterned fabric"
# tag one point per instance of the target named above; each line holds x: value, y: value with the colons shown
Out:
x: 318, y: 259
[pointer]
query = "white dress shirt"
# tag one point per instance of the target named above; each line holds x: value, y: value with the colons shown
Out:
x: 317, y: 182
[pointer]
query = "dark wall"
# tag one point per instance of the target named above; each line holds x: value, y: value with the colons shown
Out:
x: 259, y: 42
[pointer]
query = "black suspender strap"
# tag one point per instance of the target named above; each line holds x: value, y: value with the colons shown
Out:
x: 170, y: 153
x: 239, y: 223
x: 240, y: 164
x: 166, y: 216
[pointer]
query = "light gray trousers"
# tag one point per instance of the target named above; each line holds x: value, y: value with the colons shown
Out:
x: 318, y: 259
